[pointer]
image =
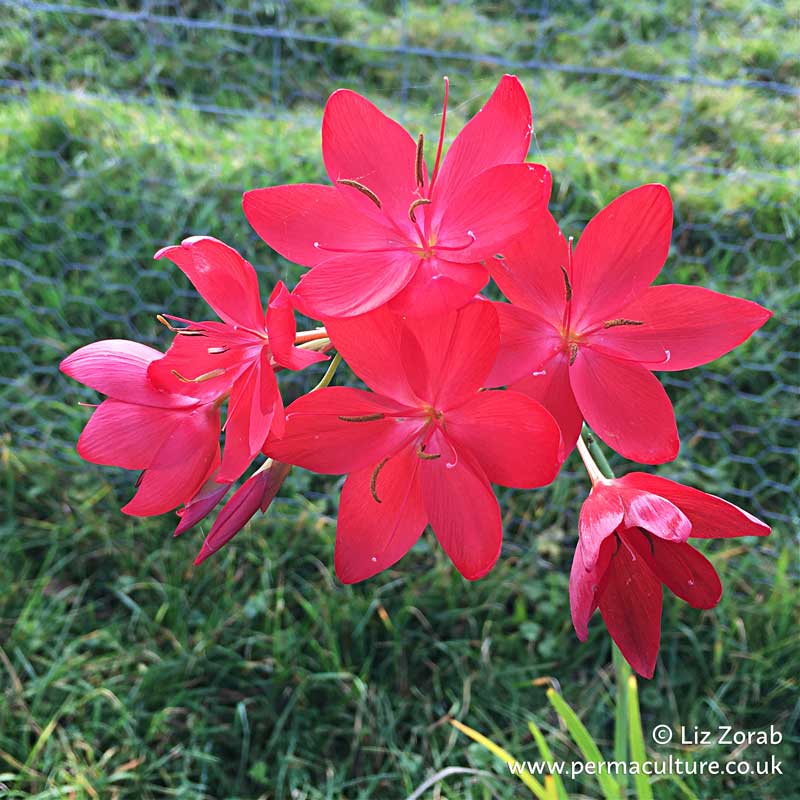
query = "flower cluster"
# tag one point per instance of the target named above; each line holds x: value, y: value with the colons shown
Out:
x: 463, y: 392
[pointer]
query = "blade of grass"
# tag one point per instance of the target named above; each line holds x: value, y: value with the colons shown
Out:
x: 547, y: 755
x: 528, y: 779
x: 584, y: 742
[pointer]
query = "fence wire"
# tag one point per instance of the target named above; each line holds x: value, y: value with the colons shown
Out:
x: 129, y: 125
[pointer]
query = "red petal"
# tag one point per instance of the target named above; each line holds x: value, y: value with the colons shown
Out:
x: 462, y: 509
x: 601, y: 514
x: 631, y: 607
x: 189, y: 357
x: 372, y: 535
x: 527, y: 343
x: 655, y: 514
x: 439, y: 286
x: 225, y: 280
x: 255, y: 400
x: 626, y: 407
x: 490, y: 209
x: 282, y: 329
x: 711, y: 517
x: 586, y: 585
x: 551, y: 387
x: 202, y: 504
x: 118, y: 368
x: 348, y: 285
x: 500, y: 133
x: 359, y: 142
x: 684, y: 327
x: 126, y: 435
x: 530, y: 272
x: 512, y: 437
x: 295, y: 219
x: 686, y: 572
x: 620, y: 253
x: 316, y: 437
x: 257, y: 492
x: 370, y: 344
x: 181, y: 465
x: 448, y: 357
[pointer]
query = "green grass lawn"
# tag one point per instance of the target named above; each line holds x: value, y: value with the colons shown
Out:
x: 127, y: 673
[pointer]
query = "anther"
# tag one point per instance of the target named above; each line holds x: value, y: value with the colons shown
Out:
x: 573, y: 353
x: 567, y: 284
x: 373, y: 488
x: 427, y: 456
x: 499, y: 256
x: 365, y: 418
x: 217, y: 351
x: 206, y: 376
x: 420, y: 201
x: 420, y: 161
x: 172, y: 329
x: 613, y: 323
x: 361, y: 188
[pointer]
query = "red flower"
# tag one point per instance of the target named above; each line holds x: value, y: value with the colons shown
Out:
x: 172, y: 437
x: 238, y: 355
x: 385, y: 233
x: 587, y: 330
x: 633, y: 533
x: 423, y: 448
x: 255, y: 494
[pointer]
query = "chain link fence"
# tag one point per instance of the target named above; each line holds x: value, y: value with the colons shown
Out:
x: 128, y: 125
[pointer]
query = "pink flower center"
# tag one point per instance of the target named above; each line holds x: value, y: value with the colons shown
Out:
x: 571, y: 338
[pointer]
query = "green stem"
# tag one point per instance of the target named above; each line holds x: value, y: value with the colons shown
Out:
x: 331, y: 371
x: 597, y: 452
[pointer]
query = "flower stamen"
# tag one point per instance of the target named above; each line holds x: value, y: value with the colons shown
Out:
x: 206, y: 376
x: 373, y: 482
x: 172, y: 329
x: 364, y: 418
x: 361, y: 188
x: 567, y: 284
x: 613, y: 323
x: 419, y: 161
x: 426, y: 456
x: 420, y: 201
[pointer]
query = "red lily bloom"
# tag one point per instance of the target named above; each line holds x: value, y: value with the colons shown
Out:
x: 633, y: 533
x: 385, y: 233
x: 424, y: 448
x: 172, y: 437
x: 587, y: 330
x: 239, y: 355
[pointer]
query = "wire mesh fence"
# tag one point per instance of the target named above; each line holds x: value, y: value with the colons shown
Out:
x: 126, y: 126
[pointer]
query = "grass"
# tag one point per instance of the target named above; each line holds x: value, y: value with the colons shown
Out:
x: 127, y: 673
